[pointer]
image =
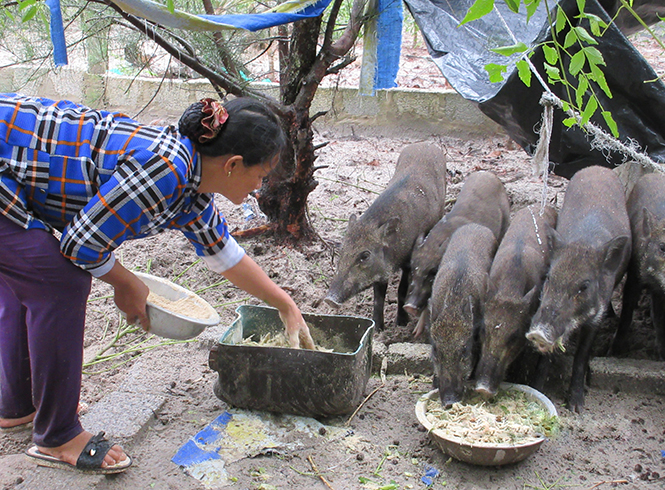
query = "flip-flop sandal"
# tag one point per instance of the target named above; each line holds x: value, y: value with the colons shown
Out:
x: 90, y: 460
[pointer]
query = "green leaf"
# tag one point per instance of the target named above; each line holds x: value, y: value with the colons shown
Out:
x: 565, y: 106
x: 552, y: 72
x: 560, y: 20
x: 580, y: 5
x: 513, y: 5
x: 477, y: 10
x: 609, y: 120
x: 577, y: 63
x: 598, y: 76
x: 584, y: 35
x: 597, y: 20
x: 495, y: 72
x: 524, y: 72
x: 363, y: 480
x: 171, y: 6
x: 569, y: 122
x: 596, y: 23
x: 589, y: 110
x: 581, y: 90
x: 570, y: 39
x: 594, y: 56
x: 29, y: 14
x: 531, y: 9
x: 25, y: 4
x: 551, y: 54
x: 510, y: 50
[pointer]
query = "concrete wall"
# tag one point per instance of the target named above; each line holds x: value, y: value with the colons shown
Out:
x: 408, y: 112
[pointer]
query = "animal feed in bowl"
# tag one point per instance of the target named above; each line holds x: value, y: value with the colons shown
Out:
x: 510, y: 418
x: 189, y: 306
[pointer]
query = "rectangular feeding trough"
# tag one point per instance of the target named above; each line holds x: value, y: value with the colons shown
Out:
x: 311, y: 383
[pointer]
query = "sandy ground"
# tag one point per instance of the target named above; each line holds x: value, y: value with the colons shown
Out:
x: 618, y: 438
x: 616, y: 442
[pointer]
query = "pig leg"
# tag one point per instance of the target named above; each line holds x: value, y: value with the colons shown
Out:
x: 380, y: 289
x: 658, y: 320
x: 631, y: 296
x: 580, y: 366
x: 402, y: 315
x: 542, y: 371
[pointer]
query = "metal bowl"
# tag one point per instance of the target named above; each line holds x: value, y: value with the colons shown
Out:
x: 169, y: 324
x: 483, y: 453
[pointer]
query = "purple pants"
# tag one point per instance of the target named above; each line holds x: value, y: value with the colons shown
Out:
x: 43, y: 297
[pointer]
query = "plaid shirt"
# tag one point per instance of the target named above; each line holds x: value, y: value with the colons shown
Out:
x: 101, y: 178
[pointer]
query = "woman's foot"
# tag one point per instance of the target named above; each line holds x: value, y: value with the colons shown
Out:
x: 13, y: 423
x: 70, y: 451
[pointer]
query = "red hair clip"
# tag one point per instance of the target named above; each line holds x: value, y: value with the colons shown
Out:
x: 215, y: 118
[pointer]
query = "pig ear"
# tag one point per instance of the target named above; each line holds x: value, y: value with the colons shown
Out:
x: 554, y: 239
x: 614, y: 252
x: 389, y: 229
x: 528, y: 298
x: 647, y: 222
x: 490, y: 289
x: 352, y: 219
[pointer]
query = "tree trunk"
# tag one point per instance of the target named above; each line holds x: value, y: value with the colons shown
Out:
x: 283, y: 197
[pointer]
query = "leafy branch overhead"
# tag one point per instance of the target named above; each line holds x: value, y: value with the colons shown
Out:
x: 573, y: 62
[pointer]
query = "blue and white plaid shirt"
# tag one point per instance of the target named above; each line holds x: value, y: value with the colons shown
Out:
x: 101, y: 178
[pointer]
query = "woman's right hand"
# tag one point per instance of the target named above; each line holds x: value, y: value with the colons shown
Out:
x: 130, y: 294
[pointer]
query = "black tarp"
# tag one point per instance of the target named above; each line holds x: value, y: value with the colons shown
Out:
x: 637, y: 106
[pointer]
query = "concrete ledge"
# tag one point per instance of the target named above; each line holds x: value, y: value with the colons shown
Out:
x: 628, y: 375
x: 393, y: 112
x: 610, y: 374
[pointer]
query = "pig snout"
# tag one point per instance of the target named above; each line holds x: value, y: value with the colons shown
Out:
x: 412, y: 309
x: 485, y: 388
x: 449, y: 395
x: 541, y: 338
x: 331, y: 301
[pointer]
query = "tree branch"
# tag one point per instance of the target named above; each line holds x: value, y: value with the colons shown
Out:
x: 218, y: 80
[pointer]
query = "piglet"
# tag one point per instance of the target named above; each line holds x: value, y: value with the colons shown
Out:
x: 515, y: 281
x: 592, y: 245
x: 646, y: 210
x: 380, y: 241
x: 455, y: 308
x: 481, y: 200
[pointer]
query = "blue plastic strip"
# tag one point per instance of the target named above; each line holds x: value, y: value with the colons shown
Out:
x: 389, y: 43
x: 57, y: 33
x: 255, y: 22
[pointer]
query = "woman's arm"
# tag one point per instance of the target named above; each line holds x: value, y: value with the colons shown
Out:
x: 249, y: 277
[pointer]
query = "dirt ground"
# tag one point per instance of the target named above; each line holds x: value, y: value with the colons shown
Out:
x: 618, y: 441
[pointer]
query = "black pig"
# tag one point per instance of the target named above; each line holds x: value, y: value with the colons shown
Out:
x: 592, y: 245
x: 455, y: 308
x: 380, y: 241
x: 516, y: 278
x: 646, y: 210
x: 481, y: 200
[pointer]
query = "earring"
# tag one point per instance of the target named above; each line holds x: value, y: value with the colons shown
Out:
x: 229, y: 174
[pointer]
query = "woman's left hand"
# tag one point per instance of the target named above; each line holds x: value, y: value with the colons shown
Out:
x: 297, y: 331
x: 249, y: 277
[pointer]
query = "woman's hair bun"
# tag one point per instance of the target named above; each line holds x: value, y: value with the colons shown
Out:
x: 190, y: 122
